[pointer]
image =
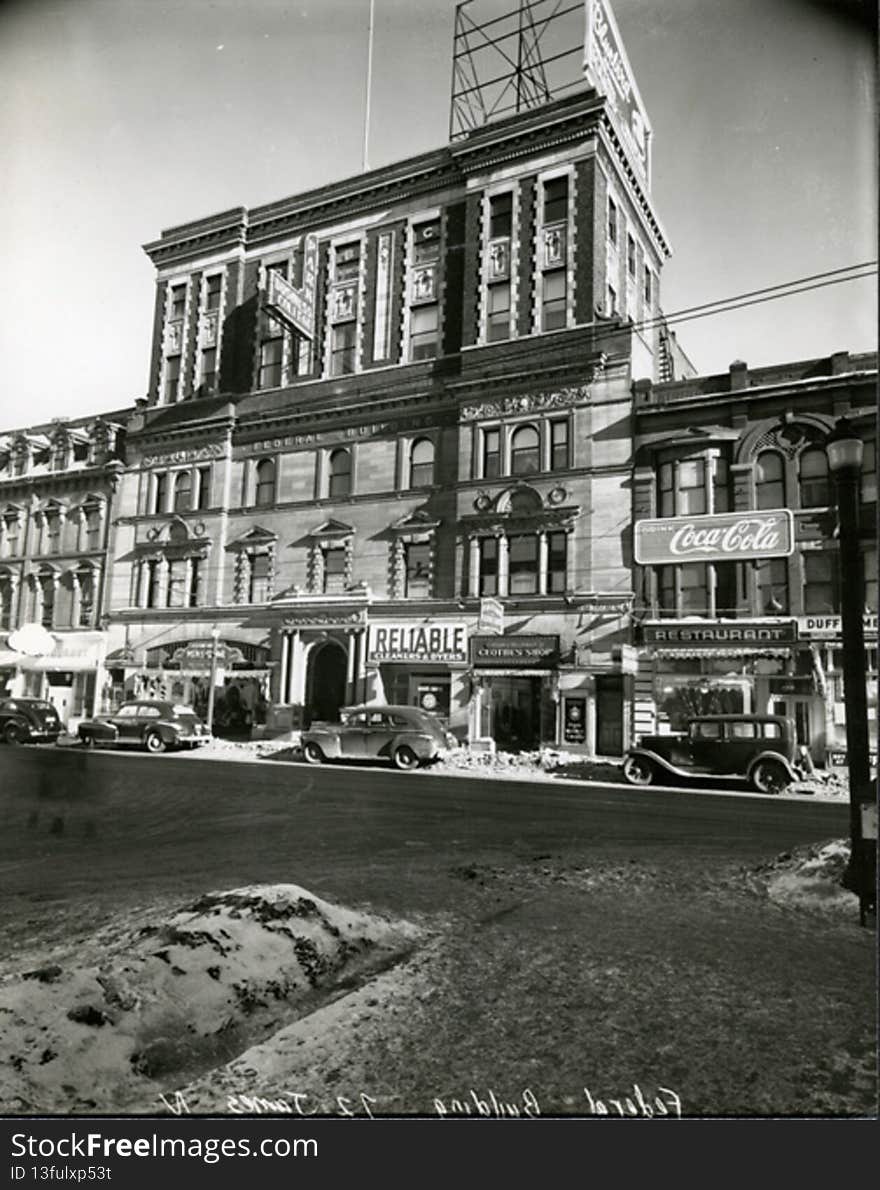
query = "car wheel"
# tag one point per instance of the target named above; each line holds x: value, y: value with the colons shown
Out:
x: 769, y: 776
x: 638, y: 771
x: 14, y: 733
x: 87, y: 741
x: 154, y: 743
x: 405, y: 758
x: 313, y: 753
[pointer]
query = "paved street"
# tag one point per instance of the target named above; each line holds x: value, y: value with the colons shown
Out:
x: 581, y: 933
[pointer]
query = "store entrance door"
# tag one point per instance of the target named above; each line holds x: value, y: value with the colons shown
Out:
x: 801, y: 710
x: 516, y: 713
x: 325, y: 682
x: 609, y: 715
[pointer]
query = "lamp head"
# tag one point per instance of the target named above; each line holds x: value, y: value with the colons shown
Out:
x: 844, y: 448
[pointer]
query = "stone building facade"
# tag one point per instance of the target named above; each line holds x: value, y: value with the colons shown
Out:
x: 761, y: 635
x: 386, y: 450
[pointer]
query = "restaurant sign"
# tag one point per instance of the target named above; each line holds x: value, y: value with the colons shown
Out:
x: 723, y: 537
x: 514, y: 652
x: 739, y: 632
x: 417, y: 641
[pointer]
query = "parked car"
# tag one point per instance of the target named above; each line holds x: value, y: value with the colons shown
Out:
x: 146, y: 723
x: 407, y: 736
x: 28, y: 720
x: 760, y: 748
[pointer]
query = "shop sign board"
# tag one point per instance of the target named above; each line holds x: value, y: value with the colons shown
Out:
x: 574, y: 726
x: 514, y: 652
x: 720, y: 537
x: 296, y: 305
x: 830, y: 627
x: 739, y: 632
x: 201, y: 655
x: 491, y: 621
x: 417, y: 641
x: 608, y: 70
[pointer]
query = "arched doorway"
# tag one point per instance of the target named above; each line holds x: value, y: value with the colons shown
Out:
x: 325, y: 681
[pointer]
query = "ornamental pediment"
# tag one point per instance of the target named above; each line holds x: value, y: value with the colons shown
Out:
x: 332, y: 528
x: 257, y: 536
x: 419, y: 521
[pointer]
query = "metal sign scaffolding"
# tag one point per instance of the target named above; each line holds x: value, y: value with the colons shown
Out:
x: 518, y: 58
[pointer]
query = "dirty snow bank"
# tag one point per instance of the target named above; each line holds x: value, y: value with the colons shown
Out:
x: 809, y: 878
x: 179, y: 997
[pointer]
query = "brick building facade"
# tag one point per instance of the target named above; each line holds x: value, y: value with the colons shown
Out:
x: 386, y: 450
x: 760, y: 635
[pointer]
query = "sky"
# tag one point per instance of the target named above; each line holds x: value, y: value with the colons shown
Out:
x: 119, y: 118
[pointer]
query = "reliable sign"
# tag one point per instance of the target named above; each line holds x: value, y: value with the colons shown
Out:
x: 725, y: 537
x: 417, y: 642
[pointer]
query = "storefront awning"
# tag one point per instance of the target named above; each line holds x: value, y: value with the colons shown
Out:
x: 711, y: 651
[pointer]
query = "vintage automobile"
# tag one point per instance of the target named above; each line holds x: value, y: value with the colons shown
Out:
x: 406, y: 736
x: 758, y: 748
x: 28, y: 720
x: 146, y: 723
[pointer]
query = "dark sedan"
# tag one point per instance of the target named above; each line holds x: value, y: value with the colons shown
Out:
x: 404, y: 735
x: 146, y: 723
x: 28, y: 720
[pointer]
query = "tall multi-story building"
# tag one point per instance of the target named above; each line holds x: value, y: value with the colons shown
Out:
x: 761, y: 635
x: 386, y: 451
x: 57, y: 487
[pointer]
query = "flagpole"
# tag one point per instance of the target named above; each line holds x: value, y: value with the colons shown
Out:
x: 368, y: 88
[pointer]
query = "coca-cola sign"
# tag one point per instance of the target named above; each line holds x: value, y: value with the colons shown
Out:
x: 724, y: 537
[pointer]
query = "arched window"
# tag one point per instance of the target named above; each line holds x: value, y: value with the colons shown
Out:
x: 264, y: 492
x: 525, y: 451
x: 183, y: 491
x: 421, y: 463
x: 769, y: 480
x: 813, y: 478
x: 340, y: 473
x: 524, y: 501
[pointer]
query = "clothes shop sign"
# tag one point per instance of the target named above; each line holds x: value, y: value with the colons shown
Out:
x: 417, y: 641
x: 723, y: 537
x: 514, y: 652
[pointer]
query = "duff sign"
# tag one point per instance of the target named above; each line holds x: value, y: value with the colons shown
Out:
x: 725, y: 537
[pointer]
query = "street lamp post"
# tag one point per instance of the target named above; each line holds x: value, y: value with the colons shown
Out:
x: 215, y: 635
x: 844, y: 450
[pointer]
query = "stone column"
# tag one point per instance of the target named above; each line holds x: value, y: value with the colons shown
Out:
x: 474, y: 567
x: 503, y: 566
x: 285, y: 667
x: 543, y: 560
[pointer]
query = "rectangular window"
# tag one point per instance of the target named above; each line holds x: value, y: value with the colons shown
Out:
x: 195, y: 576
x: 418, y: 570
x: 347, y: 262
x: 160, y: 489
x: 557, y: 563
x: 630, y: 256
x: 820, y: 583
x: 213, y: 286
x: 694, y: 588
x: 47, y: 617
x: 491, y: 454
x: 725, y: 588
x: 426, y: 242
x: 523, y: 564
x: 259, y: 580
x: 424, y: 332
x: 666, y: 588
x: 666, y: 490
x: 771, y: 577
x: 870, y: 559
x: 152, y: 583
x: 721, y: 486
x: 343, y: 343
x: 86, y: 599
x: 334, y: 570
x: 691, y: 488
x: 611, y: 300
x: 10, y: 538
x: 92, y: 518
x: 500, y: 215
x: 869, y: 472
x: 553, y: 300
x: 271, y: 358
x: 648, y: 287
x: 178, y: 301
x: 556, y: 200
x: 488, y: 566
x: 559, y: 445
x: 612, y: 221
x: 172, y: 378
x: 498, y: 312
x: 5, y: 604
x: 53, y: 533
x: 203, y: 488
x: 209, y: 369
x: 176, y: 583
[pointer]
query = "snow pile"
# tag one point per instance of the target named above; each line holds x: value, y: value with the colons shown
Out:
x: 809, y: 878
x: 179, y: 997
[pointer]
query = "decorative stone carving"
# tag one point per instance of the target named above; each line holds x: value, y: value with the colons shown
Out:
x: 529, y: 402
